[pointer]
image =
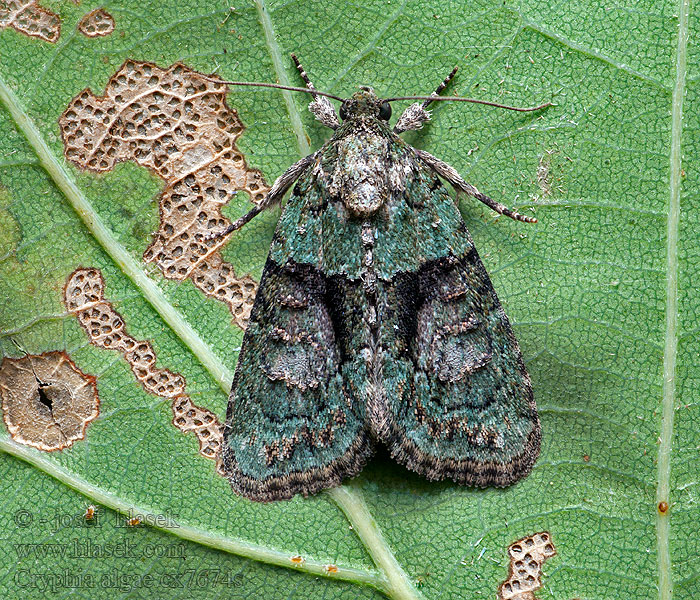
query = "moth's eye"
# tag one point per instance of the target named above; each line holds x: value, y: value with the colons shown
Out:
x: 344, y: 110
x: 385, y: 111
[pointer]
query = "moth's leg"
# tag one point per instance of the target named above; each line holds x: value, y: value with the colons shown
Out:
x: 302, y: 73
x: 416, y: 114
x: 275, y: 195
x: 441, y: 87
x: 320, y: 106
x: 450, y: 174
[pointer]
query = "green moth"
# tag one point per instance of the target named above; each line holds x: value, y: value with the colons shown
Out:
x: 375, y: 322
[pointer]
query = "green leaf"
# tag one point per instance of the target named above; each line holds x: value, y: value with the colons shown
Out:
x: 601, y: 293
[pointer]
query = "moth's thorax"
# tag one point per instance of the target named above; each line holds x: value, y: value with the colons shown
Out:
x: 369, y: 157
x: 363, y: 103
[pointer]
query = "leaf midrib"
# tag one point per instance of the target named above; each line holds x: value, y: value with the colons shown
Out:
x: 663, y: 525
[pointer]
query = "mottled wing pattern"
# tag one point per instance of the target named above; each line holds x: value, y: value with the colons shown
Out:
x: 457, y: 401
x: 382, y: 325
x: 291, y: 426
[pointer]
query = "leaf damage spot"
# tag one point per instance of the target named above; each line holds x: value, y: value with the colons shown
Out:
x: 544, y: 177
x: 27, y: 17
x: 551, y: 175
x: 177, y: 124
x: 84, y: 297
x: 47, y: 401
x: 204, y: 423
x: 97, y: 23
x: 526, y: 558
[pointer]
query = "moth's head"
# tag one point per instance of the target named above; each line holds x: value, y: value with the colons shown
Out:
x: 365, y: 103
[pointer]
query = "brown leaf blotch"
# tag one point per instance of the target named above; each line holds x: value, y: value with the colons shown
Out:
x: 176, y: 123
x: 84, y: 297
x: 27, y: 17
x: 47, y: 401
x: 526, y: 558
x: 96, y: 23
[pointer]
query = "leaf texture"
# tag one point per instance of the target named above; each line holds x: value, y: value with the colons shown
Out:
x: 601, y: 294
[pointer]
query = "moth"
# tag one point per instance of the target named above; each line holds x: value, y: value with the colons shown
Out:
x: 375, y: 321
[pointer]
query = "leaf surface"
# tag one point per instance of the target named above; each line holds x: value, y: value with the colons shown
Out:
x: 600, y: 292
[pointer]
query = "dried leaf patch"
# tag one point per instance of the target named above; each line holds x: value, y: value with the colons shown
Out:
x: 526, y: 558
x: 97, y: 23
x: 47, y: 401
x: 177, y: 124
x: 84, y: 297
x: 29, y: 18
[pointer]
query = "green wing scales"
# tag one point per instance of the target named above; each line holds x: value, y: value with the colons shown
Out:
x: 375, y: 321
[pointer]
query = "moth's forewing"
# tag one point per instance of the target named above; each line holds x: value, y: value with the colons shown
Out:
x: 375, y: 318
x: 291, y: 425
x: 458, y: 401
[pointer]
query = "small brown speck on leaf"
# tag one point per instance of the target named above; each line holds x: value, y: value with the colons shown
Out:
x: 47, y: 401
x: 177, y: 124
x: 526, y: 558
x: 27, y: 17
x: 96, y: 23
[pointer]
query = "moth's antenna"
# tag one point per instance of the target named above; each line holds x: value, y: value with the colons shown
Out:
x: 473, y: 100
x: 277, y: 86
